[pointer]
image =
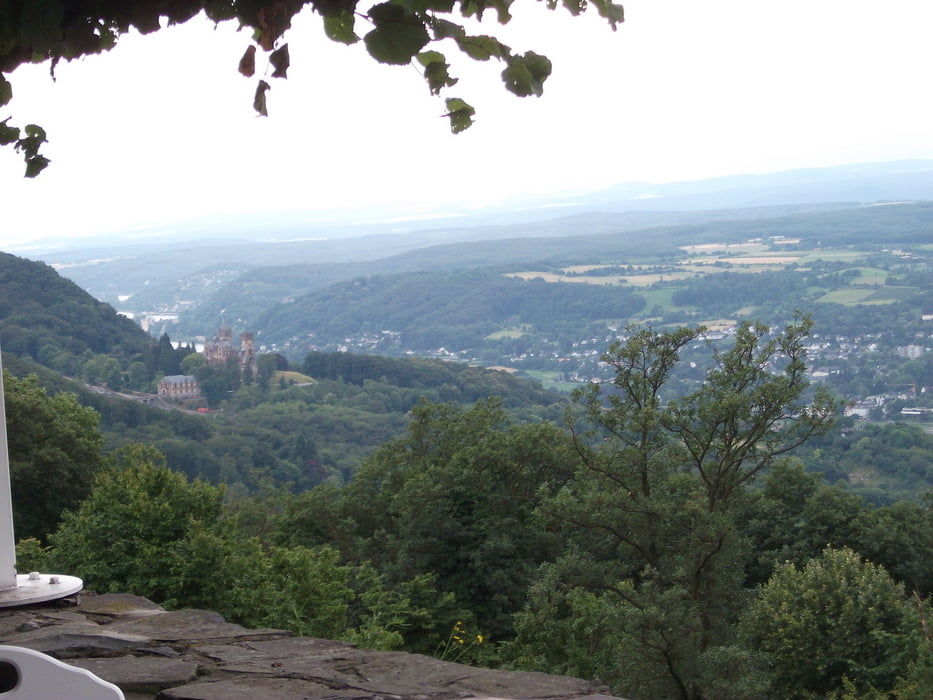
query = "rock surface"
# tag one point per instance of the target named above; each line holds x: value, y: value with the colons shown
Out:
x: 151, y: 653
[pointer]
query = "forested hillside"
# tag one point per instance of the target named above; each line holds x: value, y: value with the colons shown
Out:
x: 52, y: 321
x: 275, y: 432
x: 434, y: 309
x: 43, y: 315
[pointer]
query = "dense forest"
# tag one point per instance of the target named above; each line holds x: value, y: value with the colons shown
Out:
x: 457, y: 309
x: 664, y: 542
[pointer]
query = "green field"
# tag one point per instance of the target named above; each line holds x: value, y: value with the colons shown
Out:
x: 850, y: 296
x: 548, y: 380
x: 868, y: 286
x: 659, y: 297
x: 292, y: 377
x: 510, y: 333
x: 870, y: 275
x: 892, y: 293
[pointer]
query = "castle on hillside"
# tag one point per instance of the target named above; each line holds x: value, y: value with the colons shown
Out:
x: 220, y: 349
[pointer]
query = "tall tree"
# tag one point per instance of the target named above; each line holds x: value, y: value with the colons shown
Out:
x: 265, y: 369
x: 651, y: 506
x: 54, y: 445
x: 168, y: 363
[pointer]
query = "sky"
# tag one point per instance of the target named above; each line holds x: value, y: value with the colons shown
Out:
x: 161, y: 130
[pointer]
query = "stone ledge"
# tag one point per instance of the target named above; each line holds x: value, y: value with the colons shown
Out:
x: 154, y: 654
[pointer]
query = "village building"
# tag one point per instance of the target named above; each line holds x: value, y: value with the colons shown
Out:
x: 179, y: 386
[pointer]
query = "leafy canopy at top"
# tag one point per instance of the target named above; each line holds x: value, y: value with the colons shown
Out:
x: 396, y: 32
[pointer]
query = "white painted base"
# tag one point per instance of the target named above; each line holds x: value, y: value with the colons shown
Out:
x: 39, y: 588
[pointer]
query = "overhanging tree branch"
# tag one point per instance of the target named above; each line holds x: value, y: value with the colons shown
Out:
x: 399, y: 33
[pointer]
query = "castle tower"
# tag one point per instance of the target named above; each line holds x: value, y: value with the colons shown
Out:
x: 219, y: 349
x: 247, y: 351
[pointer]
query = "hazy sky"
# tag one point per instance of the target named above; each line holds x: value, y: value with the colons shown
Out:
x: 161, y: 129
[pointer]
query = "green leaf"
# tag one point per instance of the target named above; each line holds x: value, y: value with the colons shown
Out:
x: 29, y: 145
x: 422, y: 6
x: 8, y: 134
x: 470, y: 8
x: 36, y: 165
x: 460, y: 114
x: 6, y: 91
x: 502, y: 10
x: 525, y: 75
x: 540, y: 66
x: 34, y: 131
x: 574, y: 7
x: 339, y: 27
x: 397, y: 35
x: 445, y: 29
x: 426, y: 58
x: 614, y: 13
x: 436, y: 71
x: 482, y: 47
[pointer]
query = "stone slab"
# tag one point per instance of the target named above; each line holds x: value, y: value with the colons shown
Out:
x: 141, y: 673
x: 264, y: 688
x: 13, y: 622
x: 301, y: 646
x: 188, y: 625
x: 71, y: 638
x: 406, y: 674
x: 118, y: 605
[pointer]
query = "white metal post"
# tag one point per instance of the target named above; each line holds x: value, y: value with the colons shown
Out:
x: 7, y: 542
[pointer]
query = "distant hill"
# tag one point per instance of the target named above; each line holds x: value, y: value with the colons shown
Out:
x: 187, y: 268
x: 330, y: 302
x: 433, y: 309
x: 567, y: 240
x: 859, y: 183
x: 196, y: 273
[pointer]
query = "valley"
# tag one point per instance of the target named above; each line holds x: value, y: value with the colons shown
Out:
x: 446, y: 435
